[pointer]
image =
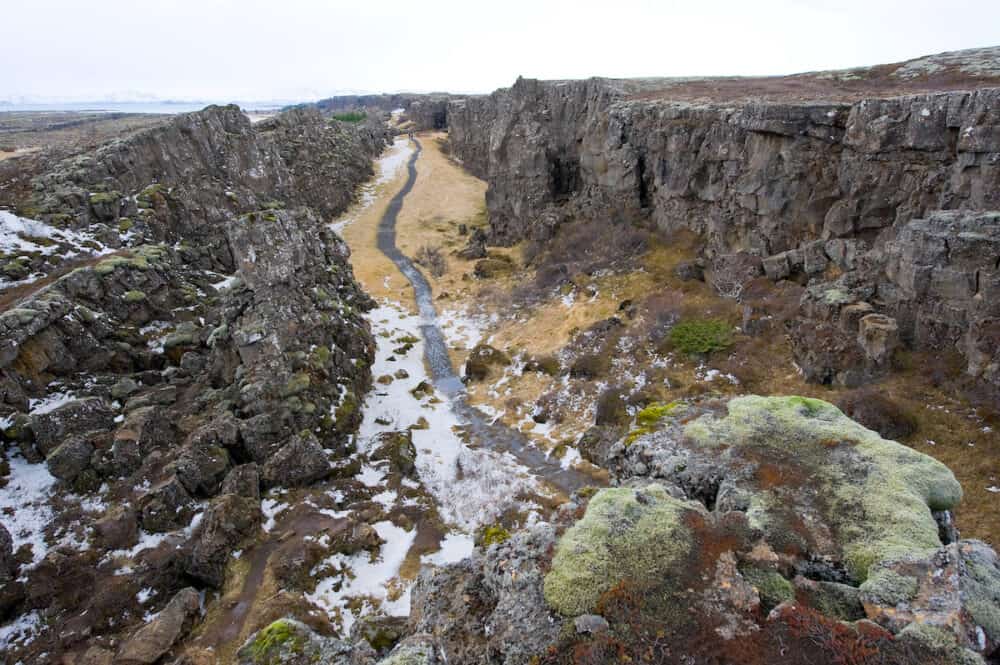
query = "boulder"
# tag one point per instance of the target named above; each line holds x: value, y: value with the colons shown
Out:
x: 166, y: 506
x: 201, y: 467
x: 70, y: 459
x: 243, y: 480
x: 151, y: 642
x: 291, y: 642
x: 75, y: 418
x: 118, y: 529
x: 397, y: 448
x: 229, y: 519
x: 300, y: 461
x: 8, y: 564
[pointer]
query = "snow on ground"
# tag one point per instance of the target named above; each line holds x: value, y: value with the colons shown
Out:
x: 20, y: 631
x: 19, y: 235
x: 471, y: 485
x: 461, y: 329
x: 386, y: 168
x: 24, y: 504
x: 454, y: 547
x: 375, y: 580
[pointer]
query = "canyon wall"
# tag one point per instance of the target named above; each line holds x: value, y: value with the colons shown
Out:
x: 807, y: 188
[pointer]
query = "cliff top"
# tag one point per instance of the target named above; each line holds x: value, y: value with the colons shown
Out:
x: 954, y: 70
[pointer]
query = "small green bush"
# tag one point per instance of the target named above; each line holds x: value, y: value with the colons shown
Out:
x: 350, y: 116
x: 701, y: 336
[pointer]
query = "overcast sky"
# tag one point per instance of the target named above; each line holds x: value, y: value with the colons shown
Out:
x: 260, y: 49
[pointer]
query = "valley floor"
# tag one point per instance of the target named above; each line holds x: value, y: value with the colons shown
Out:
x: 609, y: 317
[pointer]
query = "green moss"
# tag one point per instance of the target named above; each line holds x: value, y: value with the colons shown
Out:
x: 887, y: 587
x: 654, y: 413
x: 771, y: 586
x: 299, y: 382
x: 620, y: 538
x: 647, y: 420
x: 124, y: 224
x: 493, y: 533
x: 134, y: 296
x: 320, y: 357
x: 350, y: 116
x: 280, y: 636
x: 884, y: 514
x: 148, y: 196
x: 98, y: 198
x: 940, y: 641
x: 701, y: 336
x: 142, y: 259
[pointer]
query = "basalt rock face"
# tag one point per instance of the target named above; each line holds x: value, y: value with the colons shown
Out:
x: 764, y: 177
x: 806, y: 188
x: 221, y: 347
x: 933, y: 286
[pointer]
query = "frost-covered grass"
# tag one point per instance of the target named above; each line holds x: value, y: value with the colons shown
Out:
x: 21, y: 236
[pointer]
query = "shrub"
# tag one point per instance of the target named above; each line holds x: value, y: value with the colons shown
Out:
x: 701, y: 336
x: 590, y: 366
x: 350, y: 116
x: 433, y: 259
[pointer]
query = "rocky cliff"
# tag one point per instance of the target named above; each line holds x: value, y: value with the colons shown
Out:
x: 215, y: 347
x: 804, y: 173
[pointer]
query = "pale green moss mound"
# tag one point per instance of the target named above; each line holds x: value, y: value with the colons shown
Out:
x: 875, y: 495
x: 626, y: 535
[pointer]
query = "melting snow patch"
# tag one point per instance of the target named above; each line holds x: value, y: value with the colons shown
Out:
x: 374, y: 581
x: 471, y: 486
x: 24, y: 504
x: 454, y: 547
x: 386, y: 168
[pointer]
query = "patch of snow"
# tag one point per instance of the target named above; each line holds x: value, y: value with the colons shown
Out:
x: 49, y: 403
x: 386, y: 168
x: 471, y: 486
x: 24, y: 504
x: 21, y: 631
x: 374, y: 581
x: 454, y: 547
x: 271, y: 508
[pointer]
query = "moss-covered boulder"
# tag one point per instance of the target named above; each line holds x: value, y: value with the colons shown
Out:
x: 815, y: 479
x: 627, y: 535
x: 291, y: 642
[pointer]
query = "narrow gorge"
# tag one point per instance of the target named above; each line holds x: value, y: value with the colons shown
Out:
x: 645, y: 370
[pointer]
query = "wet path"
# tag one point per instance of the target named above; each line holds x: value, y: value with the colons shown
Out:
x: 494, y: 436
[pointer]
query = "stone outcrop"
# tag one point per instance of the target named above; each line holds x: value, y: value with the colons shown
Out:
x: 932, y: 286
x: 749, y: 530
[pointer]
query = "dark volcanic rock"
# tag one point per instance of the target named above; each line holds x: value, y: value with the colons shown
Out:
x: 230, y: 518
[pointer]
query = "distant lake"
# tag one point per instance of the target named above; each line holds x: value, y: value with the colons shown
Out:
x: 135, y: 107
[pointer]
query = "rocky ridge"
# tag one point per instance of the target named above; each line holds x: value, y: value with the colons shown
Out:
x: 218, y: 350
